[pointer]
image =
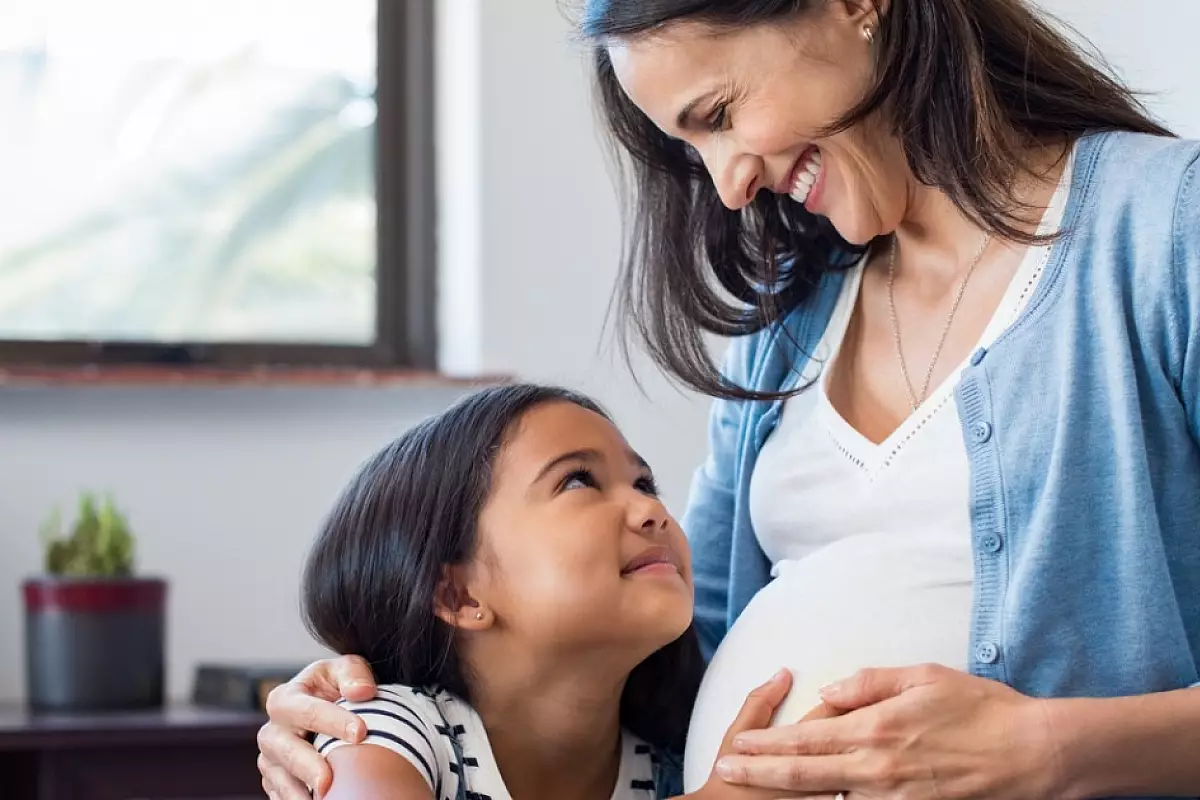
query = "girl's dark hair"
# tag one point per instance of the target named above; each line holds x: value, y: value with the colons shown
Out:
x: 966, y: 85
x: 373, y: 572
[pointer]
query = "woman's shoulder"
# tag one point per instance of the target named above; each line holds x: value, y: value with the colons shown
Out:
x: 1130, y: 199
x: 1132, y: 256
x: 1134, y: 174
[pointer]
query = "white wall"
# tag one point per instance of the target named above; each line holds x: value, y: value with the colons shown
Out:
x: 226, y: 486
x: 1153, y: 47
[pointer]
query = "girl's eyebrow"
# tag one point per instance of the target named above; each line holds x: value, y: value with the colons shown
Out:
x: 585, y: 455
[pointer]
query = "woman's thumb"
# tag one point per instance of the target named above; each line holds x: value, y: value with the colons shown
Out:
x: 760, y: 705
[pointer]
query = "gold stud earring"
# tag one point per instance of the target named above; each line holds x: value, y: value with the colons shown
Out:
x: 479, y: 616
x: 868, y: 33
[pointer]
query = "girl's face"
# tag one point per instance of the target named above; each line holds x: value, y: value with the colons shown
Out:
x: 577, y: 554
x: 753, y: 102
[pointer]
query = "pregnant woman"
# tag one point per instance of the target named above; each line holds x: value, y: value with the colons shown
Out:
x: 954, y: 475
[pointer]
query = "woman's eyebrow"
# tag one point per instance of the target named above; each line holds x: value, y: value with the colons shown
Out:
x: 683, y: 120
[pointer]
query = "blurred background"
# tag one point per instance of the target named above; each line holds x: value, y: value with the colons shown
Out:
x: 204, y: 173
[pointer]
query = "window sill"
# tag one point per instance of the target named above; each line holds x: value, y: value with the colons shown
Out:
x: 253, y: 377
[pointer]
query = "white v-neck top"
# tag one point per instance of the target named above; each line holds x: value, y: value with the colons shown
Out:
x: 872, y: 541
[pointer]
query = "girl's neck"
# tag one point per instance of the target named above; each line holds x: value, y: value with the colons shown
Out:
x: 552, y: 735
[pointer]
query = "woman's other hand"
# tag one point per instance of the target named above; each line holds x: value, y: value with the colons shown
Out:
x: 925, y: 731
x: 306, y: 704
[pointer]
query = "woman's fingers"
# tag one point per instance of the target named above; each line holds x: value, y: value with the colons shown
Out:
x: 286, y: 750
x: 278, y: 784
x: 823, y: 711
x: 761, y: 704
x: 802, y: 774
x: 292, y: 705
x: 288, y: 761
x: 346, y: 676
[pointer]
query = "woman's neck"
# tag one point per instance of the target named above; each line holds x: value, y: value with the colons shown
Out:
x: 553, y: 734
x: 937, y: 235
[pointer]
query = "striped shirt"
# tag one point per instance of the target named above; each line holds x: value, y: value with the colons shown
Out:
x: 444, y: 739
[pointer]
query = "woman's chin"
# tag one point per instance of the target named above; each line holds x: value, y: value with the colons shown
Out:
x: 852, y: 230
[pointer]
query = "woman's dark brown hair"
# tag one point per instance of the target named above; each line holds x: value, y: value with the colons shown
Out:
x: 967, y: 86
x: 373, y: 572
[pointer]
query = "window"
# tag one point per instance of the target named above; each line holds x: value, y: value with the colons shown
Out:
x: 218, y: 182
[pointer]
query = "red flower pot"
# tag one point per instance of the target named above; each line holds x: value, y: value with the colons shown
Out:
x: 94, y: 644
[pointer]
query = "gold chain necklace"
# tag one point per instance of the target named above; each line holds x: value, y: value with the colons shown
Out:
x: 912, y: 395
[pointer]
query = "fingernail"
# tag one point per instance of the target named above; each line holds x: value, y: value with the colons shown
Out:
x: 831, y: 691
x: 352, y: 731
x: 778, y: 676
x: 724, y: 770
x: 739, y: 743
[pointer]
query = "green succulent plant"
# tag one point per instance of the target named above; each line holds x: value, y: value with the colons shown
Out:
x: 100, y: 545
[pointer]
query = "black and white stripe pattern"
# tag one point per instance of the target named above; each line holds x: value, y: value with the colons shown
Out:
x: 444, y: 739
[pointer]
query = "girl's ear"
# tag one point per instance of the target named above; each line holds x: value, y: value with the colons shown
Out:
x: 454, y: 604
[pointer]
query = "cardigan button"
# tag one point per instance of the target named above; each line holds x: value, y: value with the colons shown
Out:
x: 987, y: 653
x: 992, y: 543
x: 981, y: 432
x: 977, y: 357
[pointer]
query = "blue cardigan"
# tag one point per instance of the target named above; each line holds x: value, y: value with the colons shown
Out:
x: 1082, y: 424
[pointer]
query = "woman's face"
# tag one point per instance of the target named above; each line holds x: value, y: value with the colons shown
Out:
x: 753, y: 101
x: 577, y: 553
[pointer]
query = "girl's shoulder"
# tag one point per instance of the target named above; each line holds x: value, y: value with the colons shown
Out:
x: 668, y: 773
x: 423, y: 725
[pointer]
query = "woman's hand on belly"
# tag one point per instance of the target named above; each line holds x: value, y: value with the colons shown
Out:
x: 918, y: 732
x: 756, y: 713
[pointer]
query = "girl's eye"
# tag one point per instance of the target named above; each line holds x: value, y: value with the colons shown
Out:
x: 578, y: 479
x: 647, y: 485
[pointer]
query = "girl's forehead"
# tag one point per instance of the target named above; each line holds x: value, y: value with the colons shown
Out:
x: 551, y: 429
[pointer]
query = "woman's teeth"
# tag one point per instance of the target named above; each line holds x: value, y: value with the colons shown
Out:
x: 806, y: 178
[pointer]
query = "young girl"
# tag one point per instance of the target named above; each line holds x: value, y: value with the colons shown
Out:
x: 525, y: 600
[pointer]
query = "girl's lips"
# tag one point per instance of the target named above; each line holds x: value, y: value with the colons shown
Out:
x: 656, y: 558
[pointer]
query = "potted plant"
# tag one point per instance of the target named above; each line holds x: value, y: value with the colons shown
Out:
x: 94, y: 633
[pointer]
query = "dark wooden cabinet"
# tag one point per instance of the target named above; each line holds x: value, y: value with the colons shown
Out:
x: 177, y: 753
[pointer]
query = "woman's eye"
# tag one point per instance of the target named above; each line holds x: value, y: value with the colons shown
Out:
x: 719, y: 118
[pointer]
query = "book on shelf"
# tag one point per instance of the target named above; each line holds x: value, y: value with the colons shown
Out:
x: 239, y: 686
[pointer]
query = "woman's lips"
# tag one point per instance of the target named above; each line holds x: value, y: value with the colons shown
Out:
x: 816, y: 193
x: 788, y: 183
x: 806, y: 178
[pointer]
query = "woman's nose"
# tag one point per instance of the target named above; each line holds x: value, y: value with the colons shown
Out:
x: 736, y: 176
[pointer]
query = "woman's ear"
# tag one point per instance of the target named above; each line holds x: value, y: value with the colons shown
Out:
x: 861, y: 12
x: 454, y: 604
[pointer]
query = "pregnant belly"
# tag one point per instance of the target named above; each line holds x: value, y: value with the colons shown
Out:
x: 849, y: 606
